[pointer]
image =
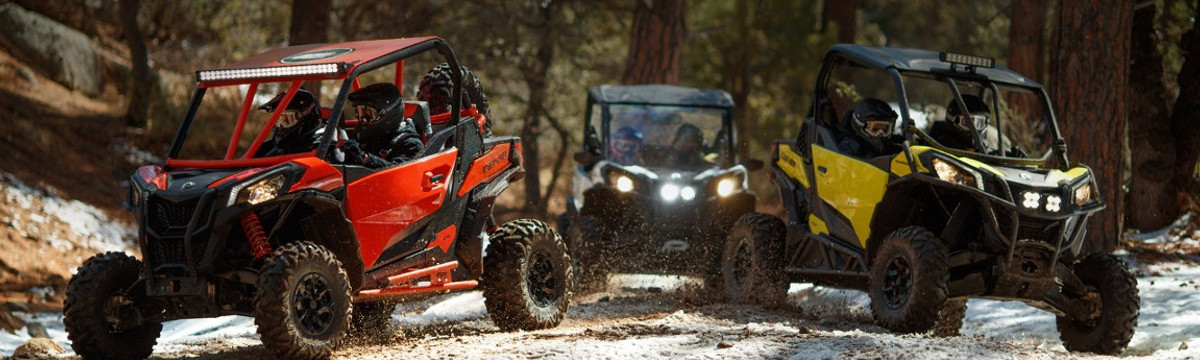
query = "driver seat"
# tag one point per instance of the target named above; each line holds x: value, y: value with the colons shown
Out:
x: 418, y: 112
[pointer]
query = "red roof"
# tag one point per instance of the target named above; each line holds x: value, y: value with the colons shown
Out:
x: 352, y: 53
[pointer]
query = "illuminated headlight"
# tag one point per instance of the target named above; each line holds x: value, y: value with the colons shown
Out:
x: 1031, y: 199
x: 949, y: 172
x: 1053, y: 203
x: 263, y: 191
x: 624, y: 184
x: 670, y: 192
x: 687, y: 193
x: 725, y: 187
x: 1083, y: 194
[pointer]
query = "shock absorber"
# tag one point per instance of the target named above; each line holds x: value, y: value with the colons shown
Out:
x: 255, y: 235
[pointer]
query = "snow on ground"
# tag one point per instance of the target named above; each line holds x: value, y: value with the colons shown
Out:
x: 85, y: 225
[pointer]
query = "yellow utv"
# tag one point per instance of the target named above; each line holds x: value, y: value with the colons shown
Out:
x: 925, y: 179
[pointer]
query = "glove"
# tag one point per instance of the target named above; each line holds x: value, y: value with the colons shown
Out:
x: 354, y: 153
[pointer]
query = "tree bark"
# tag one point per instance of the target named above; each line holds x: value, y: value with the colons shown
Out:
x: 1027, y: 38
x: 844, y: 13
x: 655, y: 43
x: 535, y: 70
x: 310, y: 19
x: 1152, y: 201
x: 137, y: 114
x: 1090, y: 78
x: 1185, y: 118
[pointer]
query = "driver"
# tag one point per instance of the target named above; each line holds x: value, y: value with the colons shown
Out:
x: 384, y: 138
x: 870, y: 121
x: 626, y: 145
x: 689, y: 147
x: 296, y: 128
x: 955, y: 131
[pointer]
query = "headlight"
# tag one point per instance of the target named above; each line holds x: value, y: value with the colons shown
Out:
x: 1053, y: 203
x: 954, y: 174
x: 263, y: 190
x: 687, y: 193
x: 1030, y: 199
x: 725, y: 187
x: 624, y: 183
x: 1083, y: 194
x: 669, y: 192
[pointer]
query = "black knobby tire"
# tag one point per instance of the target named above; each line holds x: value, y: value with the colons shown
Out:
x: 437, y: 86
x: 303, y: 304
x: 591, y: 269
x: 526, y: 276
x: 100, y: 285
x: 909, y: 277
x: 950, y: 319
x: 1119, y: 307
x: 372, y: 319
x: 752, y: 265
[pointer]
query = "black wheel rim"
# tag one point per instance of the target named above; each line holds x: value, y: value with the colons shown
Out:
x: 741, y: 267
x: 542, y: 279
x: 897, y: 282
x: 119, y: 312
x: 313, y: 304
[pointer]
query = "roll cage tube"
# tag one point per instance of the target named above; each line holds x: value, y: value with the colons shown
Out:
x: 979, y: 145
x: 906, y: 120
x: 433, y: 44
x: 181, y: 134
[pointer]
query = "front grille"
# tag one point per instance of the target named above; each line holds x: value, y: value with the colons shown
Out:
x: 1049, y: 231
x: 168, y: 222
x: 171, y: 218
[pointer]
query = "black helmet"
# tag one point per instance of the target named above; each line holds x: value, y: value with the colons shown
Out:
x: 872, y: 120
x: 689, y: 134
x: 301, y: 113
x: 377, y: 106
x: 975, y: 118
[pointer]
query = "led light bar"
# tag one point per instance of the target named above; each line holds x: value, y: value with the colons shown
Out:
x: 270, y: 72
x: 969, y: 60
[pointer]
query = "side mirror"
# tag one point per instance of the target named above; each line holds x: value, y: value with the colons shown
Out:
x: 587, y: 159
x: 753, y: 164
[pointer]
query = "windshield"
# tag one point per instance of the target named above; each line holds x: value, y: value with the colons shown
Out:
x: 674, y: 137
x: 1018, y: 127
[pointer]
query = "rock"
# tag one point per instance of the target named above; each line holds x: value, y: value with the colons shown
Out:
x: 9, y: 322
x: 38, y: 348
x: 604, y: 298
x: 1183, y: 346
x: 724, y: 345
x: 64, y: 54
x: 37, y: 330
x: 654, y: 290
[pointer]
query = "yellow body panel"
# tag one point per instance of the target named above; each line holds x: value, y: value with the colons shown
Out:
x: 1055, y: 176
x: 816, y: 226
x: 978, y: 165
x: 792, y: 164
x: 852, y: 186
x: 900, y: 162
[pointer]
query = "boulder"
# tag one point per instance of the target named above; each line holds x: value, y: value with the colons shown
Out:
x: 59, y: 52
x: 38, y: 348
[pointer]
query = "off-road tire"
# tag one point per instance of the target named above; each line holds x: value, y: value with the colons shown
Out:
x: 1119, y: 307
x: 908, y: 280
x: 752, y: 264
x: 526, y: 276
x: 437, y: 85
x: 372, y: 319
x: 950, y: 319
x: 88, y: 293
x: 591, y: 271
x: 295, y: 270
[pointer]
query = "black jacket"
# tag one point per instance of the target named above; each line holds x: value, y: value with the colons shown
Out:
x: 390, y: 148
x: 301, y: 140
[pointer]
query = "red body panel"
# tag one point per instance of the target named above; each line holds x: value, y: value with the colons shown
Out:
x: 237, y: 176
x: 318, y: 174
x: 154, y: 175
x: 444, y: 239
x: 383, y: 204
x: 234, y: 164
x: 486, y: 167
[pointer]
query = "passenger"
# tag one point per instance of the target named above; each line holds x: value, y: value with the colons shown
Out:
x: 955, y: 131
x: 626, y: 145
x: 689, y: 148
x: 867, y: 130
x: 296, y: 128
x: 383, y: 137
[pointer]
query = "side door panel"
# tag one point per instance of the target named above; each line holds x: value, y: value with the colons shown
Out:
x: 851, y: 188
x: 388, y: 205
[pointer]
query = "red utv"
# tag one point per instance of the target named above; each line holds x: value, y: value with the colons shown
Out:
x: 308, y: 245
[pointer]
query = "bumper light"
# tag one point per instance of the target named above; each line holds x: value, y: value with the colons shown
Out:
x: 669, y: 192
x: 687, y: 193
x: 726, y: 187
x: 1031, y: 199
x: 624, y: 184
x: 1053, y: 203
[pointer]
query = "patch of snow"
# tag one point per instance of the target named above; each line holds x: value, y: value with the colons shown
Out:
x: 90, y: 226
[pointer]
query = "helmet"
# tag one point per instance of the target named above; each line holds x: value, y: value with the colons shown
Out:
x: 301, y: 113
x: 872, y: 120
x: 626, y: 143
x: 377, y: 106
x: 688, y: 137
x: 975, y: 118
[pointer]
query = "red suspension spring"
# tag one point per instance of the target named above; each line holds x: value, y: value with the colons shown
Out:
x: 255, y: 235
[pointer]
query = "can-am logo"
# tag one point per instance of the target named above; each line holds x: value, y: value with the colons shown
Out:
x: 315, y: 55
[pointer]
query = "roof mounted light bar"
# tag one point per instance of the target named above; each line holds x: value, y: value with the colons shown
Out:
x: 329, y: 69
x: 968, y: 60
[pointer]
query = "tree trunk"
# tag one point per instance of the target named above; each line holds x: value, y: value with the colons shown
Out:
x: 1089, y: 85
x: 1027, y: 46
x: 736, y: 75
x: 844, y: 13
x: 1185, y: 119
x: 137, y: 115
x: 655, y: 42
x: 310, y: 19
x: 1152, y: 201
x: 536, y: 70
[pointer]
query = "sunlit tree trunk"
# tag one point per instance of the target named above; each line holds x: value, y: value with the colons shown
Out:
x: 1152, y: 201
x: 1089, y: 80
x: 656, y: 42
x: 844, y: 13
x: 1027, y: 46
